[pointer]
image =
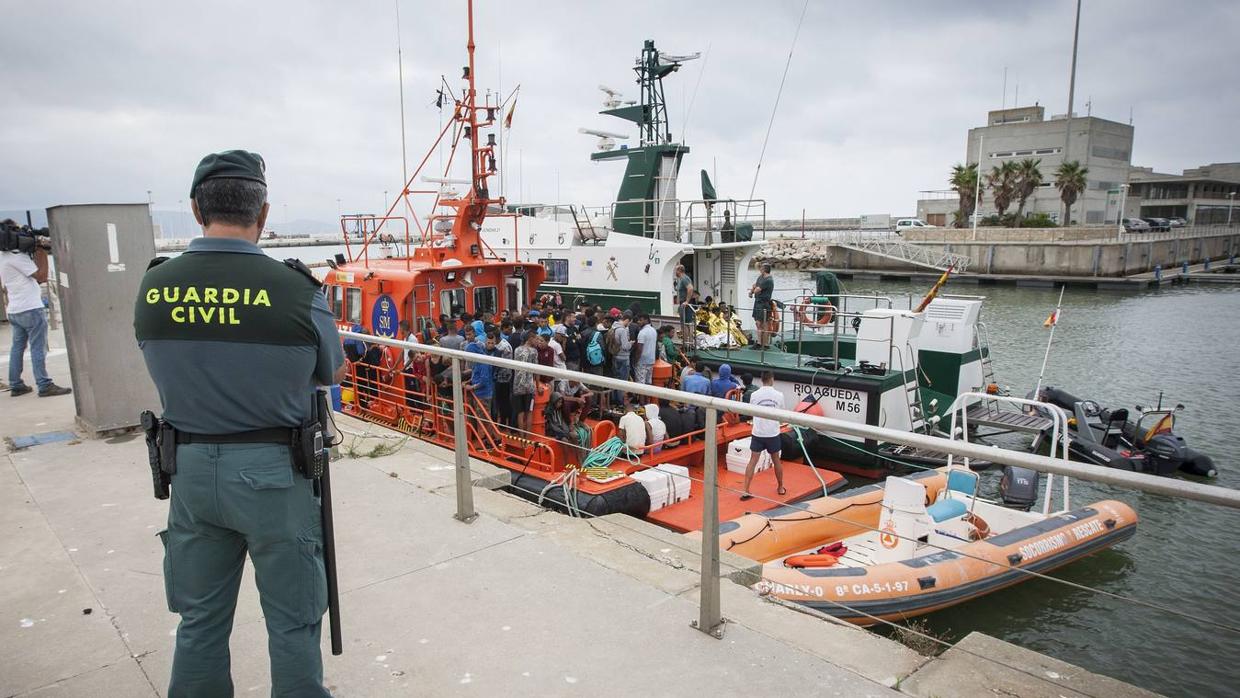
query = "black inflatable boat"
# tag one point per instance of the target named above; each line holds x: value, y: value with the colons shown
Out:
x: 1107, y: 437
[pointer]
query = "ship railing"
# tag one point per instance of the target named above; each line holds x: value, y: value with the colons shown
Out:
x: 1059, y: 434
x: 412, y: 401
x: 695, y: 222
x: 793, y: 315
x: 371, y: 229
x: 848, y: 302
x: 710, y: 619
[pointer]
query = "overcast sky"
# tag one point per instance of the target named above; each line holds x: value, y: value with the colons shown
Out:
x: 105, y: 100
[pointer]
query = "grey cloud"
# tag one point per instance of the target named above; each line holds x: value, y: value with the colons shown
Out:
x: 106, y: 100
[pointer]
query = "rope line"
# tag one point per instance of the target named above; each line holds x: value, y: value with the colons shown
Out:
x: 778, y: 95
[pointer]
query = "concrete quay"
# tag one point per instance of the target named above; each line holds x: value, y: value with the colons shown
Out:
x: 520, y: 602
x: 1004, y: 258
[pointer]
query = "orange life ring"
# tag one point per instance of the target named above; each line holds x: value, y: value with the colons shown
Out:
x: 732, y: 417
x: 772, y: 318
x: 826, y: 313
x: 980, y: 527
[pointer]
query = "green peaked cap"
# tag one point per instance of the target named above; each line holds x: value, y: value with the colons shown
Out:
x: 235, y: 164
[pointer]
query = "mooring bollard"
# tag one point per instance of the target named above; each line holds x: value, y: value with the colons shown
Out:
x: 464, y: 483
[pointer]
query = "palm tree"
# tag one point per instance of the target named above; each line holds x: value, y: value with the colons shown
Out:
x: 964, y: 182
x: 1002, y: 182
x: 1028, y: 179
x: 1070, y: 180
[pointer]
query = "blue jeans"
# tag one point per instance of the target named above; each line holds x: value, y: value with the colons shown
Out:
x: 29, y: 327
x: 620, y: 370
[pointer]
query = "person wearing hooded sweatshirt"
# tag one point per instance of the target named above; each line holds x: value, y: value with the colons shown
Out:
x: 481, y: 376
x: 725, y: 383
x: 658, y: 430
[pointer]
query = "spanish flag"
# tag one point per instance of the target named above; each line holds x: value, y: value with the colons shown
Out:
x: 934, y: 290
x: 1052, y: 319
x: 511, y: 109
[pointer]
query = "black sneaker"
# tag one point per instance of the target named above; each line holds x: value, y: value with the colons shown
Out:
x: 19, y: 390
x: 53, y: 390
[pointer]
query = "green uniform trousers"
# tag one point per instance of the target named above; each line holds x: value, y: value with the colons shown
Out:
x: 228, y: 499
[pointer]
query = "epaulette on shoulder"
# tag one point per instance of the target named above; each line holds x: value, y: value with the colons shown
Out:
x: 156, y: 262
x: 300, y: 267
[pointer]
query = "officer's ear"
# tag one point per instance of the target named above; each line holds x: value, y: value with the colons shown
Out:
x: 193, y: 206
x: 262, y: 218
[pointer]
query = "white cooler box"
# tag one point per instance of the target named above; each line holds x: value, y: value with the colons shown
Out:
x: 666, y: 484
x: 738, y: 457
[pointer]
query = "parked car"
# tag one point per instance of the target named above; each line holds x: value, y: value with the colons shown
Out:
x: 904, y: 224
x: 1177, y: 222
x: 1136, y: 225
x: 1159, y: 225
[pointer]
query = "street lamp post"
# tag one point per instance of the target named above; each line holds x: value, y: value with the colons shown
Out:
x: 1119, y: 218
x: 1231, y: 199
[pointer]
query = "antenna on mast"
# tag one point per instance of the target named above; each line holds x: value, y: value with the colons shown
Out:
x: 612, y: 100
x: 400, y: 73
x: 606, y: 139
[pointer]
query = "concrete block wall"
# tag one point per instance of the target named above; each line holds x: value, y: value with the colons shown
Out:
x: 1135, y: 254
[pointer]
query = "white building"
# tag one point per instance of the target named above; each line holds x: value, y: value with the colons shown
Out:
x: 1102, y: 146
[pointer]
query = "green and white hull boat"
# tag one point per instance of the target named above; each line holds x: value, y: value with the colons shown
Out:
x: 899, y: 369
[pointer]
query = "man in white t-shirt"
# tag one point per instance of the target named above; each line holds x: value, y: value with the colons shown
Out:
x: 21, y: 275
x: 634, y: 429
x: 765, y: 435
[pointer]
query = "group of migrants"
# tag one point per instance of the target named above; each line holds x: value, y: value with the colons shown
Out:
x: 620, y: 344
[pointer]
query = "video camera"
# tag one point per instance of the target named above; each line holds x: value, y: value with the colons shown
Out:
x: 22, y: 238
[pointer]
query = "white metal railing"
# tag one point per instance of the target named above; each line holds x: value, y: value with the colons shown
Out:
x: 710, y: 617
x: 1151, y: 484
x: 893, y: 246
x: 1059, y: 426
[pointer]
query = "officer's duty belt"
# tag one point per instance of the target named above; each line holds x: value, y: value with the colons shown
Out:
x: 276, y: 435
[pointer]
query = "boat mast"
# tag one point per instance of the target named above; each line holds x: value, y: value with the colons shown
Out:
x: 482, y: 161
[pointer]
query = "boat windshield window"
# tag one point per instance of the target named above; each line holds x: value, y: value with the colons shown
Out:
x: 452, y: 302
x: 485, y: 300
x: 335, y: 299
x: 557, y: 270
x: 355, y: 306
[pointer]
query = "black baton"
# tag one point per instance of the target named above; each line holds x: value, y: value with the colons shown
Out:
x: 329, y: 533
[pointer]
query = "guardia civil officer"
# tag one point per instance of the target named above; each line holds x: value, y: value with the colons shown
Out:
x: 236, y: 343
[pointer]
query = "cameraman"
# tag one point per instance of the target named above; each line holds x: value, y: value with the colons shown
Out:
x: 21, y: 273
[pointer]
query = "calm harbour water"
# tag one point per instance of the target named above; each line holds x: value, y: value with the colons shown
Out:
x: 1121, y: 350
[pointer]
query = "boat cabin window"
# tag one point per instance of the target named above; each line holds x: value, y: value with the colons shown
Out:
x: 452, y: 302
x: 355, y: 305
x: 486, y: 300
x: 335, y: 300
x: 557, y: 270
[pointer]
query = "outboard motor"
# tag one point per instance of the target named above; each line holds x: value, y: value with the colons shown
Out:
x: 1019, y: 487
x: 1166, y: 452
x: 1198, y: 464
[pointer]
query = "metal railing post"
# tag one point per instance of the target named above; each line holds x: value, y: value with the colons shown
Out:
x: 710, y: 618
x: 464, y: 483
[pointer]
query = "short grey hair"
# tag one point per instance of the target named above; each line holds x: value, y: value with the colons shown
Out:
x: 230, y: 200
